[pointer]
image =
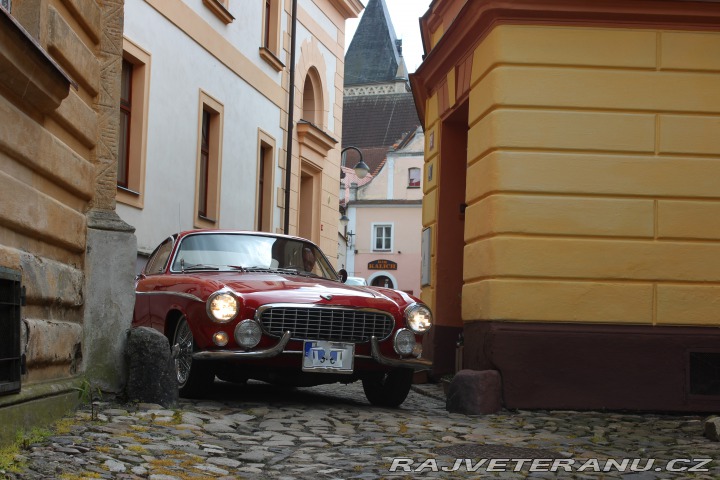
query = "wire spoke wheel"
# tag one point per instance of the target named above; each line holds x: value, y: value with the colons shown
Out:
x: 183, y: 361
x: 194, y: 378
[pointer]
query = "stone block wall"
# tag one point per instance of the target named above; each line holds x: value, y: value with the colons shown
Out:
x: 58, y: 153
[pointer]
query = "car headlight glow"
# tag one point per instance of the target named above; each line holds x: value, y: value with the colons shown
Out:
x: 418, y: 318
x: 220, y: 339
x: 248, y: 333
x: 222, y: 307
x: 404, y: 343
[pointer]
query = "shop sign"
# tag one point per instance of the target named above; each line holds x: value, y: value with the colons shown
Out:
x: 382, y: 265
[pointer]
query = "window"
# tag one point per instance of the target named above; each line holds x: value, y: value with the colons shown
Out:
x: 270, y: 42
x: 132, y: 141
x: 125, y: 116
x: 414, y: 178
x: 266, y: 167
x: 309, y: 107
x: 312, y: 101
x: 382, y: 238
x: 204, y: 158
x: 6, y: 4
x: 209, y: 163
x: 268, y: 13
x: 159, y: 259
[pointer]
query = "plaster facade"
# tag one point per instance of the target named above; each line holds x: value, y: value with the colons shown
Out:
x: 587, y: 168
x: 249, y: 86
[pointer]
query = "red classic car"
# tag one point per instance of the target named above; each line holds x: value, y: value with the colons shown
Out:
x: 252, y: 305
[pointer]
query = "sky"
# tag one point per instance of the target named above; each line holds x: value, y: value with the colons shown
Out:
x: 404, y: 15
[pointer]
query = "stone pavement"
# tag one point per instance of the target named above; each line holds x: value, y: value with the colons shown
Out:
x: 331, y: 432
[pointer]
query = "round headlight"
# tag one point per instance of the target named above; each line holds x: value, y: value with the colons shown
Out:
x: 404, y: 342
x: 248, y: 333
x: 418, y: 318
x: 222, y: 307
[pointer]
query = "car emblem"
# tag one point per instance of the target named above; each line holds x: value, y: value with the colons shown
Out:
x: 326, y: 297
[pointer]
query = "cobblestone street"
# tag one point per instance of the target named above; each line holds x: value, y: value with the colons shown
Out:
x: 331, y: 432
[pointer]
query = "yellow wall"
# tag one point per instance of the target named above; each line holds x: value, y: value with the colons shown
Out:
x: 593, y: 184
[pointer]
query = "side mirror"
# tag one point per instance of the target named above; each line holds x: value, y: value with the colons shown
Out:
x: 343, y: 275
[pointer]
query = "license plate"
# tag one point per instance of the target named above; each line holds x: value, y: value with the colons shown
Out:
x: 324, y: 356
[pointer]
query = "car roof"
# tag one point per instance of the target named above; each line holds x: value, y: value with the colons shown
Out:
x: 185, y: 233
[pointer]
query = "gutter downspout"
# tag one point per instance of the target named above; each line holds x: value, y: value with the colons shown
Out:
x: 291, y: 120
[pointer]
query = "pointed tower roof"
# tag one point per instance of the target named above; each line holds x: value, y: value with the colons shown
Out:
x: 373, y: 55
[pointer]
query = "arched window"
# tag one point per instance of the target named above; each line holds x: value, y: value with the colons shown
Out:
x: 312, y: 98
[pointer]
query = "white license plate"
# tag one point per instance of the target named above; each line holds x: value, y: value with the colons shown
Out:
x: 324, y: 356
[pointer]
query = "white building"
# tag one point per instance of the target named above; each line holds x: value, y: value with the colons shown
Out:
x: 206, y: 94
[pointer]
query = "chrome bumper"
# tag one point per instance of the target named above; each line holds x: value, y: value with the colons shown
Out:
x: 240, y: 354
x: 417, y: 364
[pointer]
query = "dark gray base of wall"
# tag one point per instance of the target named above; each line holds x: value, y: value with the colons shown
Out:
x: 599, y: 367
x: 36, y: 405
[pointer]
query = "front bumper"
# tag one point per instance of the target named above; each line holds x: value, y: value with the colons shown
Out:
x: 416, y: 364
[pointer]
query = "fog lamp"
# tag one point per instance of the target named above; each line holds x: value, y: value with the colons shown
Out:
x: 404, y: 342
x: 220, y: 339
x: 248, y: 333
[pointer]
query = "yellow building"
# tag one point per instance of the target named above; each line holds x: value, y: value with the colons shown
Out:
x: 572, y: 191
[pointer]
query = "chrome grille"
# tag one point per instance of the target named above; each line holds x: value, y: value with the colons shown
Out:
x: 322, y: 323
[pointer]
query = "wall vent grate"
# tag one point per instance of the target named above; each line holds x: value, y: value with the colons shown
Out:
x: 705, y: 373
x: 11, y: 299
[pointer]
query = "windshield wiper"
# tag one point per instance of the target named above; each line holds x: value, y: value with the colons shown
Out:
x: 308, y: 274
x: 197, y: 266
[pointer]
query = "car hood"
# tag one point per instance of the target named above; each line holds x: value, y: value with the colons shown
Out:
x: 262, y: 288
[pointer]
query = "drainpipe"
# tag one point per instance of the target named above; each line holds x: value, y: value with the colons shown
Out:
x: 291, y: 120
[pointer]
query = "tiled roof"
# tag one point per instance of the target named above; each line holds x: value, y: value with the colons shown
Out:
x: 378, y: 120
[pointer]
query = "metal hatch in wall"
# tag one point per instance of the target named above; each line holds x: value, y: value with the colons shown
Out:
x: 11, y: 299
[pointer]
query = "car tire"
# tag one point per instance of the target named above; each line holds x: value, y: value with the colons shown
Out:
x: 388, y: 389
x: 194, y: 378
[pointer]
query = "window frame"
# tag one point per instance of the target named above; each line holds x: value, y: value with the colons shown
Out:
x: 375, y: 237
x: 150, y: 267
x: 133, y: 192
x: 214, y: 110
x: 419, y: 176
x: 270, y: 43
x: 221, y: 9
x: 265, y: 182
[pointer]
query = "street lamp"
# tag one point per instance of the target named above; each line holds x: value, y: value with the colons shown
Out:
x: 361, y: 169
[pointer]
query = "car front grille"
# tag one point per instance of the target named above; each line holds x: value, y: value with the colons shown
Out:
x: 322, y: 323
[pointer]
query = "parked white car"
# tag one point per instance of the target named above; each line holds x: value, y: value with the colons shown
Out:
x: 355, y: 281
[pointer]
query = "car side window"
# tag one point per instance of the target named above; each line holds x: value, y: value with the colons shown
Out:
x: 159, y: 259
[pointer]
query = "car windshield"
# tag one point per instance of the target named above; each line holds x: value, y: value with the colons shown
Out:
x: 233, y: 251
